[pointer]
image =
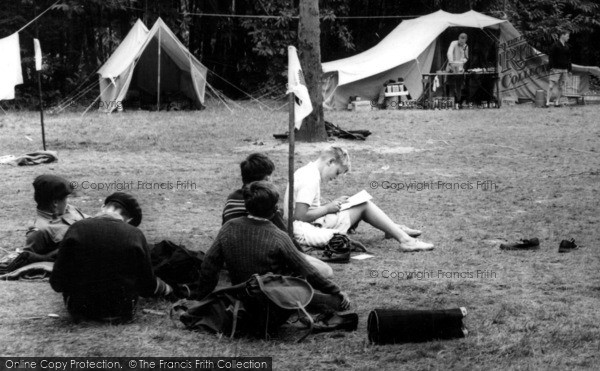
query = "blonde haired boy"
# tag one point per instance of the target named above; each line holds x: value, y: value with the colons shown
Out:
x: 333, y: 162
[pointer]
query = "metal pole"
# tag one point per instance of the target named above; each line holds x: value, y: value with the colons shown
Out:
x: 291, y: 140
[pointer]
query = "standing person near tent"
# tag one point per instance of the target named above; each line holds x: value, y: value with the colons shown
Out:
x: 458, y: 55
x: 559, y: 62
x: 331, y: 163
x: 103, y: 264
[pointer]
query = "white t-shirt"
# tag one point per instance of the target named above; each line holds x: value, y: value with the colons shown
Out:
x: 307, y: 187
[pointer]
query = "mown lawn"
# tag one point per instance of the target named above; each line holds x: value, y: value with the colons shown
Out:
x: 527, y: 310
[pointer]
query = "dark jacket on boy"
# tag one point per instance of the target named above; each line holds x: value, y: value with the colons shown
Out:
x: 103, y: 265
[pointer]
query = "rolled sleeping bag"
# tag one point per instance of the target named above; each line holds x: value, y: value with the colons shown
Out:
x: 395, y: 326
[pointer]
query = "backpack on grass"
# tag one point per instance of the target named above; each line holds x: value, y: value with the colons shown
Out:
x: 257, y: 307
x: 175, y: 264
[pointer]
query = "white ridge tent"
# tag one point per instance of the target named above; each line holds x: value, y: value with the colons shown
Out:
x: 138, y: 60
x: 408, y: 51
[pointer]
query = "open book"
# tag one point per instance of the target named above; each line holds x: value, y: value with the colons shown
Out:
x: 359, y: 198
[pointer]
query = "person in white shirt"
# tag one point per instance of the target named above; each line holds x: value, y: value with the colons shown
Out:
x: 331, y: 163
x: 458, y: 55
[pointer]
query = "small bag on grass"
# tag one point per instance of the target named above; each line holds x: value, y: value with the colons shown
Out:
x: 337, y: 249
x: 175, y: 264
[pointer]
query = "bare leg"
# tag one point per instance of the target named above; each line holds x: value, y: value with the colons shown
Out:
x: 550, y: 87
x: 320, y: 266
x: 370, y: 213
x: 559, y: 86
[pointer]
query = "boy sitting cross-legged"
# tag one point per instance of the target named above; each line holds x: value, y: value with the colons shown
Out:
x: 104, y: 265
x: 331, y: 163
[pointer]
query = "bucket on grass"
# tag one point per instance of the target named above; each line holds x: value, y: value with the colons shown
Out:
x: 540, y: 98
x: 394, y: 326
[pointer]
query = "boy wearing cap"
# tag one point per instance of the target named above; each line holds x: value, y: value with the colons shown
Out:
x: 331, y: 163
x: 103, y: 263
x: 54, y: 215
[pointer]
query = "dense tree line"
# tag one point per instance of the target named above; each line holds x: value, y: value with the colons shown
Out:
x: 77, y: 36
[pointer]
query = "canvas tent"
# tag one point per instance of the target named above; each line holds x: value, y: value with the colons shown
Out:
x: 137, y: 61
x: 408, y: 51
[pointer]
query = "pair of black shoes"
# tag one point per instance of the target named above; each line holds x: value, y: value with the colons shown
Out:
x: 534, y: 244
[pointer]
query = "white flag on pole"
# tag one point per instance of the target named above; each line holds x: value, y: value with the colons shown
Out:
x: 38, y: 54
x: 297, y: 85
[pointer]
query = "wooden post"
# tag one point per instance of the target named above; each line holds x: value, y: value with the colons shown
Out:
x: 41, y: 109
x: 158, y: 74
x: 291, y: 141
x: 499, y: 102
x: 39, y: 79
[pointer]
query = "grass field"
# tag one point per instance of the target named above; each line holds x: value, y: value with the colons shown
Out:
x: 527, y: 310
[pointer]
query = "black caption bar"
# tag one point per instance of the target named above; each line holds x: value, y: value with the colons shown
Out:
x: 135, y: 363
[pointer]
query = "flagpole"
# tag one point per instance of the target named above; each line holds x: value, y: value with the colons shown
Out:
x: 291, y: 141
x: 299, y: 99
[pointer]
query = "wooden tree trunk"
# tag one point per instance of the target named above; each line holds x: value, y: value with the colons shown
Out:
x: 309, y: 34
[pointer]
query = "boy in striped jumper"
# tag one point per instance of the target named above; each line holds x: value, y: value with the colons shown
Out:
x: 256, y: 167
x: 253, y: 244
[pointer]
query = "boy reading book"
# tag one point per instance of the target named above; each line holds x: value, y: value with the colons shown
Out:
x: 331, y: 163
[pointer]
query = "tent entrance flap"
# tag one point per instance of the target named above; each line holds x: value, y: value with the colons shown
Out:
x: 146, y: 77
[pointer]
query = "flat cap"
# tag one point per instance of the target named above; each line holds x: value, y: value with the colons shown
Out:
x: 48, y: 187
x: 130, y: 205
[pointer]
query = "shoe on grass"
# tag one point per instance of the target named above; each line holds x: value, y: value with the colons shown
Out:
x: 409, y: 231
x: 531, y: 244
x: 416, y: 245
x: 336, y: 321
x: 567, y: 246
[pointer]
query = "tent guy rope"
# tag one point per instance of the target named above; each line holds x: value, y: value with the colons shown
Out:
x: 36, y: 18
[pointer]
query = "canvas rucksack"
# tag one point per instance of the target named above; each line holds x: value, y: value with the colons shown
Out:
x: 257, y: 307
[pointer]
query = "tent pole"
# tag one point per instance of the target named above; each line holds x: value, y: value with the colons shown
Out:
x: 291, y: 140
x: 158, y: 73
x: 499, y: 102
